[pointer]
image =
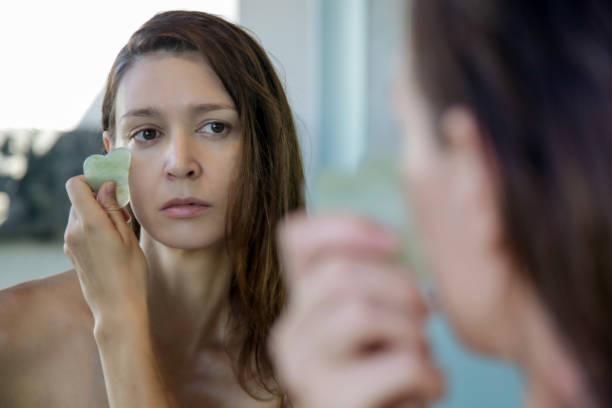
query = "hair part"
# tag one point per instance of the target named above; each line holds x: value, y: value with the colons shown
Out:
x: 270, y: 181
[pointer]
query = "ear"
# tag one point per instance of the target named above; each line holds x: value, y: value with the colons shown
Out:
x: 108, y: 142
x: 474, y: 174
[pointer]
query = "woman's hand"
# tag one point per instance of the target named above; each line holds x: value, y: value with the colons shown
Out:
x: 112, y: 270
x: 104, y: 250
x: 353, y: 332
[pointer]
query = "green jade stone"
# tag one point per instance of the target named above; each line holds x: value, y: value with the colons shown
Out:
x: 113, y: 166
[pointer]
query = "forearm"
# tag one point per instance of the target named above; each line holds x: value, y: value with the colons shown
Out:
x: 131, y: 372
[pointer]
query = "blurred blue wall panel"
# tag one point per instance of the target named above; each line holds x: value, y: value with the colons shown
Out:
x: 344, y: 118
x: 473, y: 381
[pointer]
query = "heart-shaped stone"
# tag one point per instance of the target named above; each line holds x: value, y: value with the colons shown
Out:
x: 113, y: 166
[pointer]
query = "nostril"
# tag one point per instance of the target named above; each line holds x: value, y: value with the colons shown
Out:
x: 183, y: 169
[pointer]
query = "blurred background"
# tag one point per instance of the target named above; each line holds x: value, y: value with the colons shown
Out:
x: 337, y: 59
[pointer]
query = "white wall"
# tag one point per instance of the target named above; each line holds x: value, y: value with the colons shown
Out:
x: 288, y: 30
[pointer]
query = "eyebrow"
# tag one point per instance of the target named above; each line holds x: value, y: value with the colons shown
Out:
x: 152, y: 112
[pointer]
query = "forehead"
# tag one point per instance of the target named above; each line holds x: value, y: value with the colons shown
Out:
x: 164, y: 79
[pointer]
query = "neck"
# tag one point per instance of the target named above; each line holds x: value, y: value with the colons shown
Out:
x: 552, y: 375
x: 187, y: 295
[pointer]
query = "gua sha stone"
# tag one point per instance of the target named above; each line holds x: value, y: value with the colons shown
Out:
x: 113, y: 166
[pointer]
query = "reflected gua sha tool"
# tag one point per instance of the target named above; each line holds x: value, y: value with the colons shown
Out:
x: 112, y: 166
x: 375, y: 190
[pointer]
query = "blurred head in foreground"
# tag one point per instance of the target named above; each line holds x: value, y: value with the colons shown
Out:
x: 507, y: 107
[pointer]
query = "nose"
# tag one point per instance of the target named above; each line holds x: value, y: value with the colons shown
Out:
x: 182, y: 162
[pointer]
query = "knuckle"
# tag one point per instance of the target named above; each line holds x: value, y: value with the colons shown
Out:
x: 88, y: 225
x: 113, y: 210
x: 68, y: 238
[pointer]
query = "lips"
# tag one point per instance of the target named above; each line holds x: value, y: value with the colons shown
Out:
x: 184, y: 207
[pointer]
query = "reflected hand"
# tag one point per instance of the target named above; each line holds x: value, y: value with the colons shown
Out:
x: 105, y: 252
x: 353, y: 332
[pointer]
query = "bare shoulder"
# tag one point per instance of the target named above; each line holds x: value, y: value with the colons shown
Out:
x: 34, y: 315
x: 48, y: 356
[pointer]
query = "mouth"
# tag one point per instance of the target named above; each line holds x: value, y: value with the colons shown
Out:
x: 184, y: 207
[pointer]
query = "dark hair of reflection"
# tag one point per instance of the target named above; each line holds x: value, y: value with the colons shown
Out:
x: 270, y: 182
x: 538, y: 76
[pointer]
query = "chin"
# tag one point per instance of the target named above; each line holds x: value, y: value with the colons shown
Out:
x: 189, y: 243
x: 477, y: 334
x: 186, y: 239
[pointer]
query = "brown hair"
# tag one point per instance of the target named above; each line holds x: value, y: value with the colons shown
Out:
x: 270, y: 182
x: 538, y: 76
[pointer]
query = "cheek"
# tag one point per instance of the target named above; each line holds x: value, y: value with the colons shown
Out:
x: 227, y: 170
x: 423, y: 183
x: 426, y: 188
x: 468, y: 284
x: 141, y: 187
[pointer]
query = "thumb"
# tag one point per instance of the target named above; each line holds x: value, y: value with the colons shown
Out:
x: 108, y: 200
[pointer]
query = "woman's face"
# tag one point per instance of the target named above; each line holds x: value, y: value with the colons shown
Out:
x: 182, y: 128
x: 451, y: 192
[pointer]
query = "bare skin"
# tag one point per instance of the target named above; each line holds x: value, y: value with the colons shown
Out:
x: 493, y: 309
x: 49, y: 356
x: 140, y: 321
x: 364, y: 316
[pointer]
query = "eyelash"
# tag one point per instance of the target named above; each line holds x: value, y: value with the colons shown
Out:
x: 225, y: 131
x: 134, y: 135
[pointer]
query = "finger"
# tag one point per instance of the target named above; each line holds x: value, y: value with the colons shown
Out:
x: 69, y: 235
x: 357, y: 323
x: 126, y: 215
x: 73, y: 219
x: 72, y: 229
x: 303, y: 239
x: 359, y: 328
x: 355, y: 305
x: 379, y: 369
x: 339, y: 278
x: 83, y: 202
x: 108, y: 200
x: 72, y: 215
x: 345, y: 329
x: 396, y: 377
x: 68, y: 254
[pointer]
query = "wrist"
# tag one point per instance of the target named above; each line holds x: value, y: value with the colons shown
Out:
x: 129, y: 322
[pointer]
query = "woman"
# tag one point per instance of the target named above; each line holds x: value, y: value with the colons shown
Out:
x: 507, y: 148
x: 176, y: 311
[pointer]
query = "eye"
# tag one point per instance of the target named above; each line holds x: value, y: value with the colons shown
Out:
x: 145, y: 135
x: 215, y: 128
